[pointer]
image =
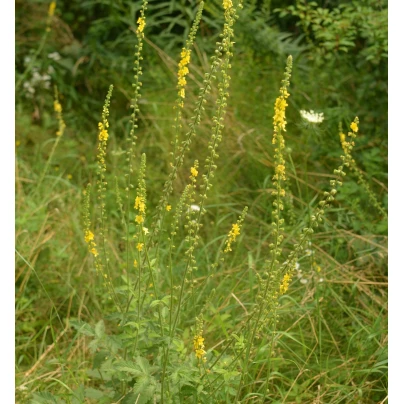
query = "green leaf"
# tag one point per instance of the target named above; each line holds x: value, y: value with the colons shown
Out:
x: 82, y: 327
x: 129, y: 367
x: 44, y: 398
x: 100, y: 329
x: 93, y: 393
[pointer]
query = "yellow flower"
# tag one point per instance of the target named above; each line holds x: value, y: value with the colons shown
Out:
x: 168, y: 208
x: 199, y: 347
x: 198, y: 341
x: 69, y: 176
x: 194, y: 171
x: 135, y: 263
x: 89, y: 236
x: 235, y: 229
x: 280, y: 171
x: 279, y: 117
x: 141, y: 24
x: 200, y: 353
x: 103, y: 136
x: 183, y: 71
x: 185, y: 57
x: 231, y: 237
x: 285, y: 283
x: 227, y: 4
x: 94, y: 251
x: 139, y: 246
x: 139, y: 204
x: 354, y: 126
x: 52, y: 7
x: 139, y: 219
x: 57, y: 106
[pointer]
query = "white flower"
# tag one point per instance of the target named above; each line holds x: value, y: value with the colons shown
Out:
x: 297, y: 266
x: 308, y: 252
x: 196, y: 208
x: 29, y: 89
x: 145, y: 230
x: 304, y: 281
x: 36, y: 77
x: 54, y: 56
x: 311, y: 116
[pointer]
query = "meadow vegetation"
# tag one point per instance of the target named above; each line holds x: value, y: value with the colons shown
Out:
x: 201, y: 202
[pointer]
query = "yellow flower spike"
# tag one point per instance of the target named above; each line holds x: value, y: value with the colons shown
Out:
x: 199, y: 347
x: 57, y: 106
x: 139, y: 219
x: 89, y: 236
x: 94, y: 252
x: 140, y: 204
x: 141, y: 24
x: 235, y: 231
x: 227, y: 4
x: 280, y: 171
x: 103, y: 136
x: 194, y: 171
x: 52, y: 7
x: 285, y: 283
x: 183, y: 71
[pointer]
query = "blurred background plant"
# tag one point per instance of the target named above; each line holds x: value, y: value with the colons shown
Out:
x: 340, y: 70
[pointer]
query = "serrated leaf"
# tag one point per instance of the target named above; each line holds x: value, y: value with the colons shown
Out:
x: 44, y: 398
x: 132, y: 324
x: 100, y: 329
x: 94, y: 393
x: 82, y: 327
x: 79, y: 395
x: 144, y: 389
x: 129, y: 367
x: 156, y: 303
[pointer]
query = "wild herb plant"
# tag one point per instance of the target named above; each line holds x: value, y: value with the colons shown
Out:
x: 166, y: 336
x: 143, y: 350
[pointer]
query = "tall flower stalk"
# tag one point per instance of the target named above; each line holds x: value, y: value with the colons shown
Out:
x: 267, y: 299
